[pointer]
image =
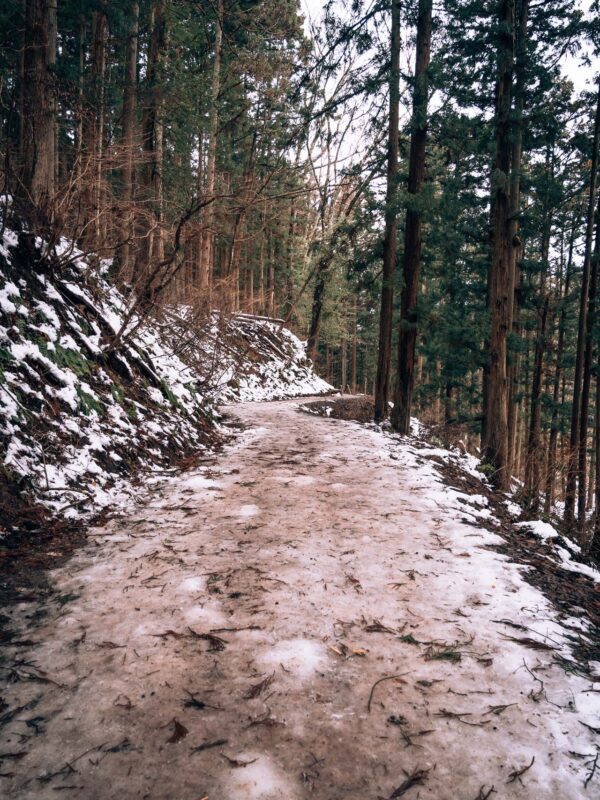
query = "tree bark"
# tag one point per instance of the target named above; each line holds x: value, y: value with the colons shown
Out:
x: 354, y: 343
x: 153, y: 145
x: 233, y: 267
x: 558, y: 370
x: 495, y: 446
x: 93, y: 130
x: 586, y: 384
x: 317, y: 305
x: 128, y: 136
x: 208, y: 235
x: 407, y: 335
x: 390, y: 244
x: 582, y: 330
x: 38, y: 115
x: 533, y: 461
x: 515, y: 200
x: 595, y: 539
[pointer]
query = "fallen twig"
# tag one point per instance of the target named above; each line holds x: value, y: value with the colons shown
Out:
x: 415, y: 778
x: 516, y: 774
x: 376, y: 684
x: 208, y: 745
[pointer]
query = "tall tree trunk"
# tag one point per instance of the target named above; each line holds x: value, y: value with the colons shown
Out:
x: 128, y: 136
x: 153, y: 144
x: 261, y: 261
x: 592, y: 471
x: 407, y: 335
x: 271, y: 279
x: 288, y: 311
x: 517, y: 146
x: 595, y: 538
x: 354, y: 343
x: 558, y: 370
x: 495, y: 446
x: 233, y: 267
x: 53, y: 112
x: 288, y: 305
x: 582, y: 329
x: 515, y: 202
x: 79, y: 131
x: 533, y: 462
x: 38, y: 115
x: 317, y: 305
x: 208, y: 236
x: 586, y: 384
x: 93, y: 129
x: 390, y: 244
x: 344, y: 363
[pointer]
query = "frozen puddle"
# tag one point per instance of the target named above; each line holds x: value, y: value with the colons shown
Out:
x: 302, y: 657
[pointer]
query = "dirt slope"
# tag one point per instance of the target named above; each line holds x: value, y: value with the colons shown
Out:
x: 237, y: 636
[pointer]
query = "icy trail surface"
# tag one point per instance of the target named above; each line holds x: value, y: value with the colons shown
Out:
x: 317, y: 616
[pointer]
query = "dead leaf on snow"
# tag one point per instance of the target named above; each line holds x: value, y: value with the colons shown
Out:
x: 178, y: 731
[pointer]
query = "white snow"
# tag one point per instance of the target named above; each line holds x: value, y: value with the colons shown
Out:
x: 259, y: 780
x: 248, y: 510
x: 95, y: 431
x: 543, y: 530
x: 199, y: 482
x: 348, y: 607
x: 301, y: 657
x: 548, y: 533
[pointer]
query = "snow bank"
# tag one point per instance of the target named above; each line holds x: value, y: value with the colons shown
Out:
x: 91, y: 395
x: 246, y: 358
x: 79, y: 416
x: 473, y: 506
x: 547, y: 533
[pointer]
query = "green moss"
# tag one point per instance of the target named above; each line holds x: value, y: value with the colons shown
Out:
x: 5, y: 361
x: 409, y: 639
x: 39, y: 317
x: 446, y: 654
x: 87, y: 403
x: 63, y: 599
x: 117, y: 393
x: 85, y: 326
x: 485, y: 468
x: 168, y: 395
x: 71, y: 359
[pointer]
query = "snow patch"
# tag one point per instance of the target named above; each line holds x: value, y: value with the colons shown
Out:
x: 199, y: 482
x: 248, y: 510
x: 192, y: 585
x: 260, y: 780
x: 302, y: 657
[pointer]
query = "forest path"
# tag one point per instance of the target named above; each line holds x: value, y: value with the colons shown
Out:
x: 226, y: 641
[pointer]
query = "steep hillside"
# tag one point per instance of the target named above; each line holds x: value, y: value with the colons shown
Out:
x: 243, y: 358
x: 92, y: 396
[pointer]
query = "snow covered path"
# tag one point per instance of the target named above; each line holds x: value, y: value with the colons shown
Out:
x: 318, y: 617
